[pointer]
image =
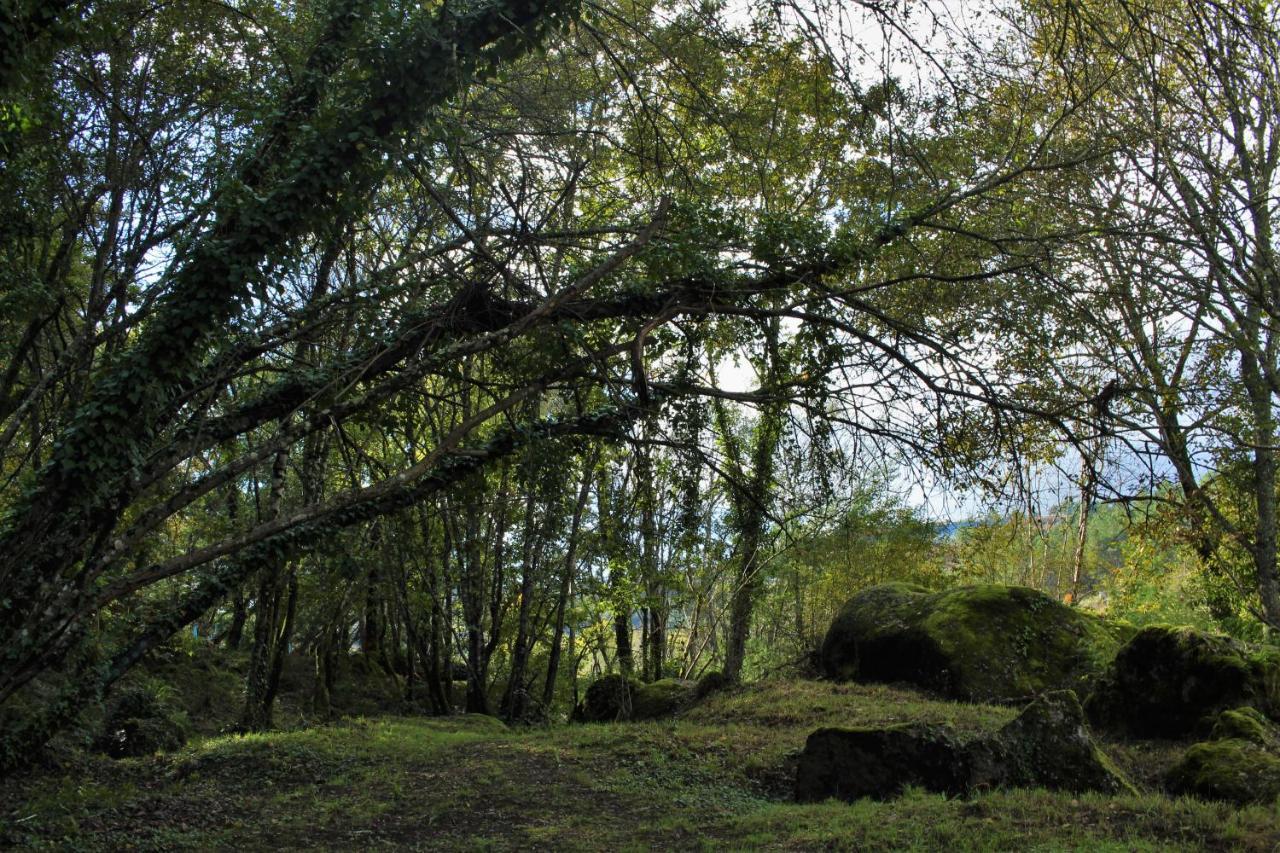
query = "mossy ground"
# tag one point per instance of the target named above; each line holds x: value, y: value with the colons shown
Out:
x: 718, y: 777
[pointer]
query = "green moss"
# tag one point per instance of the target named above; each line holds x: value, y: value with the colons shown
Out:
x: 1235, y: 770
x: 1247, y: 724
x: 1264, y: 664
x: 1047, y: 745
x: 607, y: 700
x: 980, y: 643
x: 1240, y: 763
x: 662, y: 698
x: 712, y: 682
x: 1171, y: 681
x: 1011, y: 642
x: 613, y: 699
x: 1024, y: 819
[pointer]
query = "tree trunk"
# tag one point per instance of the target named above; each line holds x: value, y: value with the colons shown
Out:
x: 750, y: 510
x: 256, y: 715
x: 515, y: 701
x: 239, y: 614
x: 1264, y: 489
x: 1082, y: 527
x: 281, y: 646
x: 569, y: 571
x: 371, y: 627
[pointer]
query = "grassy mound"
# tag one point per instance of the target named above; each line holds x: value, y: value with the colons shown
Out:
x: 708, y: 778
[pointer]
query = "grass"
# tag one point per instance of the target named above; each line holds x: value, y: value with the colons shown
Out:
x: 718, y: 777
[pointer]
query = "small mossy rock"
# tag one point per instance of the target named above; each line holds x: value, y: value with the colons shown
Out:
x: 613, y: 698
x: 662, y: 698
x: 1170, y: 682
x: 712, y: 682
x: 139, y: 723
x: 850, y: 764
x: 1048, y: 745
x: 1240, y: 763
x: 1233, y: 769
x: 987, y: 643
x: 1247, y: 724
x: 606, y: 700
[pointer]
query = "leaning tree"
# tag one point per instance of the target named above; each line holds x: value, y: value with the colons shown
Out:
x: 244, y: 244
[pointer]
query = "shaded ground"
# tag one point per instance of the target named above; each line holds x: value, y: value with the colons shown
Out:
x: 718, y: 777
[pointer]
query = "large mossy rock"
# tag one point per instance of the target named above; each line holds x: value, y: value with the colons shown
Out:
x: 850, y: 764
x: 977, y: 643
x: 1048, y: 745
x: 613, y: 698
x: 1240, y: 762
x: 1170, y: 682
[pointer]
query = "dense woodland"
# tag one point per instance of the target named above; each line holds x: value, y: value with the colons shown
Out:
x: 506, y: 344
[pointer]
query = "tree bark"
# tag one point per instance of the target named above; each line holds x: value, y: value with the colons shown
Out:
x: 515, y: 701
x: 751, y: 501
x: 266, y: 615
x: 569, y: 571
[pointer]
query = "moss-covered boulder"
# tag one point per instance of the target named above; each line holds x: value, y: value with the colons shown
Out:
x: 1048, y: 745
x: 712, y: 682
x: 662, y: 698
x: 606, y: 700
x: 613, y: 698
x: 1233, y: 770
x: 140, y: 722
x: 977, y: 643
x: 1247, y: 724
x: 851, y: 764
x: 1171, y: 682
x: 1239, y: 763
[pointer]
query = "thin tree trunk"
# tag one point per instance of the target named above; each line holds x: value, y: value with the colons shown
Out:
x: 1264, y: 488
x: 371, y: 627
x: 751, y: 510
x: 281, y: 646
x: 1082, y: 527
x: 239, y: 615
x: 266, y: 613
x: 566, y: 580
x: 515, y: 699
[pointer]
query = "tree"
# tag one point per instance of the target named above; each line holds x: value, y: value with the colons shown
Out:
x: 373, y: 258
x: 320, y: 147
x: 751, y: 488
x: 1175, y: 289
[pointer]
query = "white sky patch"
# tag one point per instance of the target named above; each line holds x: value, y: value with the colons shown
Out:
x: 736, y: 375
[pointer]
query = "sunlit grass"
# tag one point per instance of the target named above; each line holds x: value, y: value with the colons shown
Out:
x: 717, y: 778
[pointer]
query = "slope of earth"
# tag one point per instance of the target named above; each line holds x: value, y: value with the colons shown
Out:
x: 718, y: 777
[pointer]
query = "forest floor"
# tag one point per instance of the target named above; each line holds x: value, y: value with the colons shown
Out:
x: 717, y: 777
